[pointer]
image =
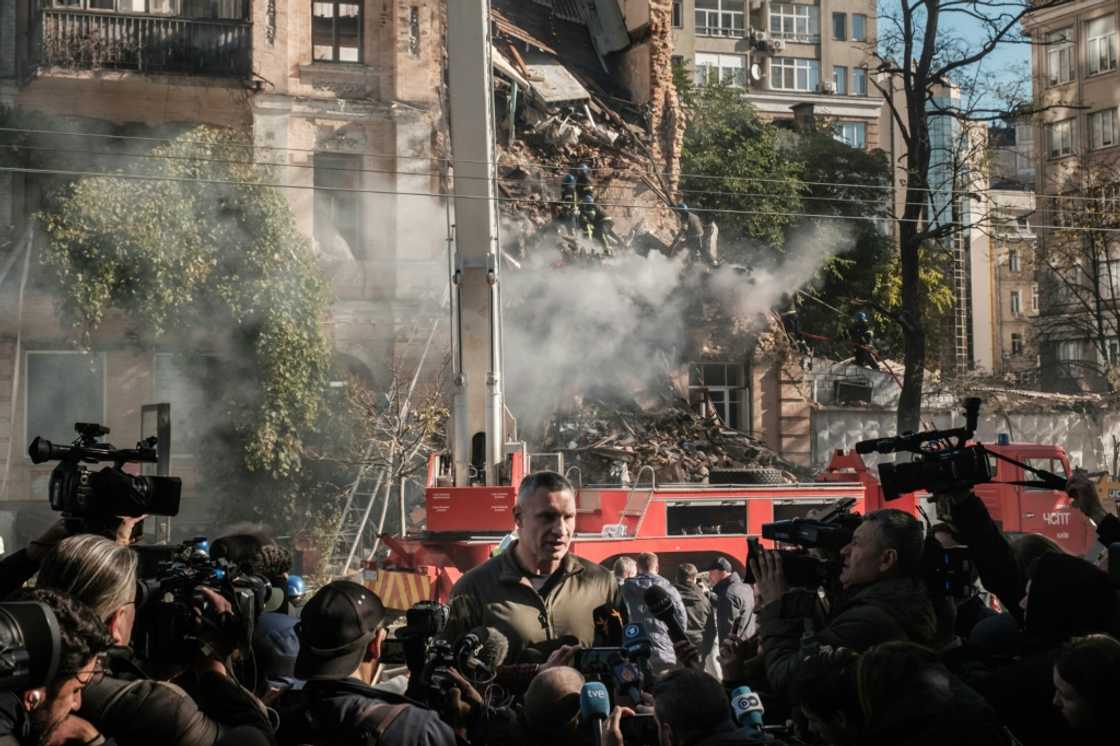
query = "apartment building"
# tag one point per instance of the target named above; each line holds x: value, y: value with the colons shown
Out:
x: 787, y: 53
x: 1014, y: 248
x: 1075, y: 63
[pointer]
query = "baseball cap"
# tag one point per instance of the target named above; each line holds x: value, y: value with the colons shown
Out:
x: 335, y: 628
x: 721, y: 563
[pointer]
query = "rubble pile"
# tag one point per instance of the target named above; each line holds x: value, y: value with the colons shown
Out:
x: 612, y: 445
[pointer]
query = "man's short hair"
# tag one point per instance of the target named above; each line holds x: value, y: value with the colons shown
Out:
x: 903, y: 533
x: 549, y: 481
x: 691, y: 702
x: 624, y: 567
x: 827, y: 682
x: 552, y: 699
x: 647, y: 561
x: 82, y: 635
x: 686, y: 573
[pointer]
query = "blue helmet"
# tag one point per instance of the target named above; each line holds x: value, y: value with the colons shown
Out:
x: 569, y: 180
x: 584, y: 169
x: 682, y: 207
x: 296, y: 588
x: 861, y: 317
x: 588, y: 199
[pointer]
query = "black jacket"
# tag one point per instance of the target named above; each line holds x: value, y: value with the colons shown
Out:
x: 16, y: 568
x: 346, y: 712
x: 15, y: 725
x: 139, y: 711
x: 948, y: 714
x: 701, y: 629
x: 892, y: 609
x: 992, y: 554
x: 734, y: 607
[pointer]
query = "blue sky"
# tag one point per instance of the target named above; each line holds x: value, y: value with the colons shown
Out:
x: 1008, y: 62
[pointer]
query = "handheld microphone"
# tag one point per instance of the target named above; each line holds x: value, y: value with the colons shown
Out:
x: 595, y: 708
x: 660, y: 604
x: 746, y: 708
x: 484, y: 650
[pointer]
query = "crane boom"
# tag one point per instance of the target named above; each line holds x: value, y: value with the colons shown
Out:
x: 477, y: 438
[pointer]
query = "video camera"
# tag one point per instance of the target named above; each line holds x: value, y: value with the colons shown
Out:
x: 167, y: 629
x: 80, y: 494
x: 944, y: 461
x: 29, y: 646
x: 831, y: 531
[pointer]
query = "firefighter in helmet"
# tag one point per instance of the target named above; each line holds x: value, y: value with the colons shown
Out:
x: 596, y: 224
x: 863, y: 341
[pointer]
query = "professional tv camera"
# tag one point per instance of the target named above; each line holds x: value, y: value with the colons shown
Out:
x: 80, y: 494
x: 168, y: 631
x: 944, y: 461
x: 29, y: 646
x: 830, y: 530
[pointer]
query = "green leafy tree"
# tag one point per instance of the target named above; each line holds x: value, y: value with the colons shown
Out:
x: 199, y: 253
x: 734, y: 162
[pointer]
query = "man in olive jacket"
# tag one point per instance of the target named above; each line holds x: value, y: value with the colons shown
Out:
x: 884, y: 600
x: 536, y: 592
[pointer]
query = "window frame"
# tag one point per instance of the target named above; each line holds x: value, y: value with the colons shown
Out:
x: 1016, y: 344
x: 678, y: 14
x: 859, y: 73
x: 1060, y: 47
x: 1035, y: 297
x: 704, y: 69
x: 360, y: 251
x: 1013, y: 261
x: 335, y: 57
x: 860, y: 127
x: 862, y: 23
x: 711, y: 21
x: 811, y: 68
x: 1016, y: 304
x: 1109, y: 37
x: 733, y: 395
x: 26, y: 362
x: 796, y: 13
x: 1095, y: 118
x: 840, y: 79
x: 1051, y: 131
x: 841, y: 19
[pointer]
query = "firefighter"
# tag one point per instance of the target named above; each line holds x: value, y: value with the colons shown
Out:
x: 863, y: 341
x: 597, y: 224
x: 568, y: 201
x: 583, y: 180
x: 692, y: 233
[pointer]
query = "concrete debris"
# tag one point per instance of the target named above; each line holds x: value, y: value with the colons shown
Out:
x: 611, y: 444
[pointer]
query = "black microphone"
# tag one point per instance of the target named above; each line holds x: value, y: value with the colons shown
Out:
x: 660, y: 604
x: 484, y: 650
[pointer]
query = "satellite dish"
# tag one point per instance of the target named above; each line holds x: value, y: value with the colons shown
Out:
x: 756, y: 72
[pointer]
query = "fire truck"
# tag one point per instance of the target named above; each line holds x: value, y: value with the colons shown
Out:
x: 471, y: 492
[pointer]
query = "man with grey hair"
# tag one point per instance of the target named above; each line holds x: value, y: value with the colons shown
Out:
x: 536, y: 593
x: 624, y: 567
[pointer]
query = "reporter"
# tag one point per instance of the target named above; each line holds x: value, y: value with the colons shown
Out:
x: 126, y: 704
x: 46, y: 716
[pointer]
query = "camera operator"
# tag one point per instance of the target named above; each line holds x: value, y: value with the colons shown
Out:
x: 1087, y: 687
x: 537, y: 592
x: 883, y: 598
x: 126, y: 704
x: 341, y: 633
x: 45, y: 716
x: 909, y: 698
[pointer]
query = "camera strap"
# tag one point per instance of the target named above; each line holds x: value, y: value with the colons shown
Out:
x: 1049, y: 480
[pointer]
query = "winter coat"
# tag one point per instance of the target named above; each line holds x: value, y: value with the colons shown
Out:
x: 141, y: 711
x: 346, y: 711
x: 891, y: 609
x: 498, y: 594
x: 734, y: 608
x: 634, y: 589
x: 701, y: 629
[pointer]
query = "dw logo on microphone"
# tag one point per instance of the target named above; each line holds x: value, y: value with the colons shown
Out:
x: 747, y: 702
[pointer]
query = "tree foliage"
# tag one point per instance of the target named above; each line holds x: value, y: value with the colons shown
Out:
x: 198, y: 251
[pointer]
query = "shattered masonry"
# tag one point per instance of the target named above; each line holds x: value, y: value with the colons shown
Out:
x: 666, y: 119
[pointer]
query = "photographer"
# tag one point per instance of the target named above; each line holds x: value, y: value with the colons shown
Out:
x: 341, y: 633
x: 126, y: 704
x: 883, y: 598
x: 45, y: 716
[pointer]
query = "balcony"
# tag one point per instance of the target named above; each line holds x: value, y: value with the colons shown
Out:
x: 93, y: 40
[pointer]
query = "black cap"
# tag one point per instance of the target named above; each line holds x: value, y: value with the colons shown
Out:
x: 335, y: 628
x: 721, y: 563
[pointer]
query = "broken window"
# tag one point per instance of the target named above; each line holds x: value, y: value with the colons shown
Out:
x: 338, y: 206
x: 716, y: 390
x: 336, y: 31
x: 63, y: 387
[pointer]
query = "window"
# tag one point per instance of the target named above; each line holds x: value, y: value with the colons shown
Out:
x: 859, y: 81
x: 840, y: 80
x: 187, y: 384
x: 728, y: 69
x: 1016, y: 344
x: 678, y: 13
x: 792, y: 74
x: 1060, y: 138
x: 720, y: 18
x: 336, y: 31
x: 338, y: 209
x: 1069, y: 350
x: 859, y: 27
x: 1112, y: 350
x: 1102, y: 129
x: 63, y: 388
x: 795, y: 21
x: 1059, y: 56
x: 840, y: 26
x: 852, y: 134
x: 1016, y: 305
x: 1034, y: 297
x: 1100, y: 38
x: 717, y: 389
x: 414, y: 31
x: 1013, y: 260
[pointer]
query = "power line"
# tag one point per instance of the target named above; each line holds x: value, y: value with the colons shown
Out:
x: 441, y: 195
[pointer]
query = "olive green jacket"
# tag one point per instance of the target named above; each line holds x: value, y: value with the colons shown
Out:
x: 498, y: 594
